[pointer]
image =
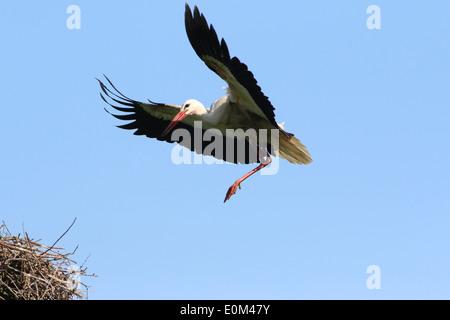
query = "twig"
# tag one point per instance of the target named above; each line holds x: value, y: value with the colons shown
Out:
x: 61, y: 236
x: 85, y: 261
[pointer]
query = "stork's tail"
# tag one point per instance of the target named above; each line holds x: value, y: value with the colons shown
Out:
x: 291, y: 149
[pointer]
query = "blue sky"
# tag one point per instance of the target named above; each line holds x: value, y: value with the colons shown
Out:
x: 372, y: 106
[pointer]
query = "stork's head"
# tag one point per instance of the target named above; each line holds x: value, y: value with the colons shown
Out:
x: 193, y: 106
x: 188, y: 108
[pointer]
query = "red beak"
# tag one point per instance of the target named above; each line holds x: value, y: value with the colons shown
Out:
x: 180, y: 116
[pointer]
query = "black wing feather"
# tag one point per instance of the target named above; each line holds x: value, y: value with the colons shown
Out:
x: 205, y: 42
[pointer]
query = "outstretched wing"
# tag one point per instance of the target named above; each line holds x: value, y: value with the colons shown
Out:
x: 151, y: 119
x: 244, y: 89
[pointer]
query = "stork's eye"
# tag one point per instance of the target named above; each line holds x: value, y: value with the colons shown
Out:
x: 186, y: 105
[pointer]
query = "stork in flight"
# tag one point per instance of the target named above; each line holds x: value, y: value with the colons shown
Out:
x: 243, y: 107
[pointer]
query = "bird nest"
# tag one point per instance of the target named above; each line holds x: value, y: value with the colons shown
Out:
x: 30, y: 270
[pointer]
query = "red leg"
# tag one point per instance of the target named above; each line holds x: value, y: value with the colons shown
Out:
x: 264, y: 163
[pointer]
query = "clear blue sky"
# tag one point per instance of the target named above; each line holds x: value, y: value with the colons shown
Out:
x: 372, y: 106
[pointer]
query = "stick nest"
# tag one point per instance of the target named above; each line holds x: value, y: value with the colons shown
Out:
x: 32, y: 271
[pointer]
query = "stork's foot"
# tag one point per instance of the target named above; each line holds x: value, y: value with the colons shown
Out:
x: 232, y: 190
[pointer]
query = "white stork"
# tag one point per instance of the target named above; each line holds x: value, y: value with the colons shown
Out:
x: 243, y: 107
